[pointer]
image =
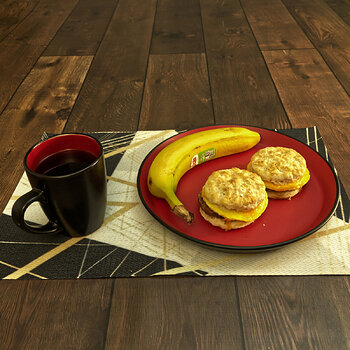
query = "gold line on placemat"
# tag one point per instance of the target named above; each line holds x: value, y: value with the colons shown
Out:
x: 29, y: 273
x: 98, y: 261
x: 135, y: 144
x: 150, y: 263
x: 120, y: 264
x: 316, y: 139
x: 83, y: 262
x: 43, y: 258
x: 326, y: 152
x: 124, y: 182
x: 106, y: 140
x: 197, y: 273
x: 327, y: 232
x: 116, y: 142
x: 14, y: 197
x: 126, y: 206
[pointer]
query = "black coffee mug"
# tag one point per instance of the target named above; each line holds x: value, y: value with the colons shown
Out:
x: 67, y: 173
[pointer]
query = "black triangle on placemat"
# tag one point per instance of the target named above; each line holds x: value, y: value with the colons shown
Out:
x: 5, y: 270
x: 92, y: 259
x: 29, y: 276
x: 69, y: 263
x: 18, y: 248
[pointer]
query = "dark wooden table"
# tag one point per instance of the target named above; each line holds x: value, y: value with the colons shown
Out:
x: 87, y: 65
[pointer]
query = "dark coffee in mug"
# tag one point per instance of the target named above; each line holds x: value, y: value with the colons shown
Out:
x: 68, y: 178
x: 65, y: 163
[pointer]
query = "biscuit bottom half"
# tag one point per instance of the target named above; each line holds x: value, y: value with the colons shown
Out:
x: 217, y: 220
x: 282, y: 194
x: 223, y: 223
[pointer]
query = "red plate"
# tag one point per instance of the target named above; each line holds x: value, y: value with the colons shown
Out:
x: 283, y: 222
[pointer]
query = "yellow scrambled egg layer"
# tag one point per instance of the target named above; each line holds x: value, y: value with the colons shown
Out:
x: 250, y: 215
x: 291, y: 186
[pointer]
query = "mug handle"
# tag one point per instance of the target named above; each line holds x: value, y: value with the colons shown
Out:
x: 20, y: 207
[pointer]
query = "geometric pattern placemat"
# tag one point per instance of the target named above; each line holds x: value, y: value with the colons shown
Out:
x: 132, y: 243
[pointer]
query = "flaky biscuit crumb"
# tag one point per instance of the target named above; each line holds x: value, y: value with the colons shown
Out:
x: 279, y: 165
x: 234, y: 189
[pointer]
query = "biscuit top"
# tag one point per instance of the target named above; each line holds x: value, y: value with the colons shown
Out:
x: 279, y: 165
x: 234, y: 189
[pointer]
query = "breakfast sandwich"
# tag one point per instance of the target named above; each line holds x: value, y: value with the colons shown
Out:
x: 282, y: 169
x: 232, y: 198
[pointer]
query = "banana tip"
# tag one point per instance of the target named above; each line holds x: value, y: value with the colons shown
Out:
x: 183, y: 213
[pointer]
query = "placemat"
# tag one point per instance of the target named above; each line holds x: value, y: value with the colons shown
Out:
x: 132, y: 243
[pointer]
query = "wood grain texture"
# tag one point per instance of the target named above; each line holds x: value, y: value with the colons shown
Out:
x: 54, y: 314
x: 341, y: 8
x: 225, y: 27
x: 241, y: 86
x: 82, y: 32
x: 312, y: 96
x: 273, y: 26
x: 158, y: 313
x: 177, y: 93
x: 42, y: 103
x: 110, y: 98
x: 12, y: 12
x: 178, y: 27
x: 285, y: 312
x: 22, y: 47
x: 328, y: 33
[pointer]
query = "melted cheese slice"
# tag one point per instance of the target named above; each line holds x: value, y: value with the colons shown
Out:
x: 250, y: 215
x: 291, y: 186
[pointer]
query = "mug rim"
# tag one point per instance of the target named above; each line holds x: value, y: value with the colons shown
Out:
x: 34, y: 173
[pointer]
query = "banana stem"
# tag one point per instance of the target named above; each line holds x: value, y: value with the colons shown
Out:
x: 181, y: 211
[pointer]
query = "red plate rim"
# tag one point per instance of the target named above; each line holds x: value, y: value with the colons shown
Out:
x: 142, y: 173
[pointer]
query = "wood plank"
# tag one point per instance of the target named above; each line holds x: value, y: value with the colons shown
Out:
x: 341, y: 8
x: 178, y: 27
x: 177, y: 93
x: 22, y: 47
x: 68, y: 314
x: 312, y: 96
x: 243, y: 92
x: 285, y: 312
x: 42, y: 103
x: 242, y: 89
x: 110, y: 98
x: 225, y: 27
x: 12, y: 12
x: 82, y: 32
x: 273, y: 25
x: 328, y: 33
x: 167, y: 313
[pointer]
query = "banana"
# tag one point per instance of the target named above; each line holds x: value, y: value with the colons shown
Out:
x: 173, y: 161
